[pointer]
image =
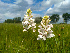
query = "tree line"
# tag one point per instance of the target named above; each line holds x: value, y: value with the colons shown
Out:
x: 54, y: 18
x: 14, y: 20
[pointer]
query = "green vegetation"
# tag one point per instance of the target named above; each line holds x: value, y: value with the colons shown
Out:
x: 14, y: 40
x: 66, y: 17
x: 54, y: 18
x: 38, y: 20
x: 14, y: 20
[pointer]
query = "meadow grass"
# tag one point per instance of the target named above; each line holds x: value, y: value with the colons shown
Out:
x: 14, y: 40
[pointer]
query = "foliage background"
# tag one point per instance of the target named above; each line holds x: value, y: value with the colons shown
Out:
x: 14, y: 40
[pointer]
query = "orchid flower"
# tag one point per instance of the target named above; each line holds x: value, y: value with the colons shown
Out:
x: 28, y: 21
x: 45, y: 29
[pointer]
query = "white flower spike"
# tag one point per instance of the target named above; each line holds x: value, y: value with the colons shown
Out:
x: 28, y: 21
x: 45, y: 29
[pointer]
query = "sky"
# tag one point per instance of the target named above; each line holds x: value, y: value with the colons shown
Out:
x: 18, y: 8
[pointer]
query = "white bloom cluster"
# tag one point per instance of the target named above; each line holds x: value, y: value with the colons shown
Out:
x: 28, y: 21
x: 45, y: 29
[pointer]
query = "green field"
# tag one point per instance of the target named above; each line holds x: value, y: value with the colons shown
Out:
x: 14, y: 40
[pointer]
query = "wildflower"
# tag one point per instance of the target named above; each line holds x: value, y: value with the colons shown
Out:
x: 45, y: 29
x: 59, y: 34
x: 63, y: 27
x: 28, y: 21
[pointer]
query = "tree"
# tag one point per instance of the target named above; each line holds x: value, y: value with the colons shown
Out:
x: 5, y: 21
x: 38, y: 19
x: 66, y: 17
x: 54, y: 18
x: 9, y: 21
x: 17, y: 19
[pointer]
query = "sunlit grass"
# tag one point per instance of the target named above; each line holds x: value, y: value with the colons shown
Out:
x: 13, y: 40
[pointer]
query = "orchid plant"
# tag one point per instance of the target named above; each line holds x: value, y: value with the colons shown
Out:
x: 45, y: 29
x: 28, y: 21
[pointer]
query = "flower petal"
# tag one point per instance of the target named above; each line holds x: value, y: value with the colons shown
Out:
x: 40, y: 26
x: 40, y: 36
x: 24, y: 30
x: 44, y: 38
x: 50, y: 35
x: 33, y: 30
x: 33, y: 24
